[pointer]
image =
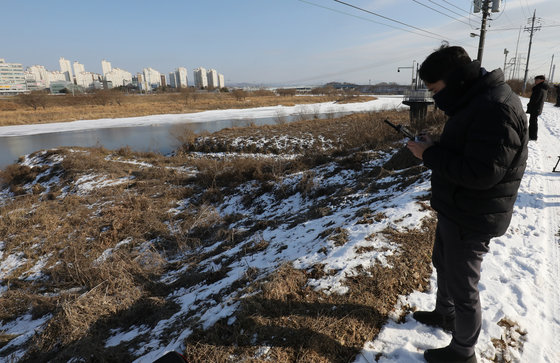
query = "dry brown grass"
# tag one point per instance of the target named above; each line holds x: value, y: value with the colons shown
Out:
x: 88, y: 107
x: 513, y: 338
x: 71, y: 234
x: 104, y: 250
x: 298, y: 324
x: 323, y: 136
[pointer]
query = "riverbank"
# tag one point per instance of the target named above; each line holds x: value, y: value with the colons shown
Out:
x: 280, y: 112
x: 64, y: 108
x: 171, y: 245
x: 161, y: 133
x: 283, y: 245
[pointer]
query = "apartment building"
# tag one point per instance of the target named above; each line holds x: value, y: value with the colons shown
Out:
x: 78, y: 68
x: 118, y: 77
x: 173, y: 80
x: 37, y: 76
x: 212, y: 76
x: 178, y: 78
x: 66, y: 68
x: 12, y: 78
x: 105, y: 67
x: 151, y: 79
x: 200, y: 78
x: 182, y: 78
x: 87, y: 79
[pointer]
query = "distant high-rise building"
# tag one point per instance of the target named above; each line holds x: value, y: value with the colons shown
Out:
x: 178, y: 79
x: 200, y: 78
x: 182, y: 78
x: 221, y: 81
x: 173, y: 79
x: 163, y: 82
x: 118, y: 77
x: 151, y: 79
x: 55, y: 76
x: 12, y: 78
x: 137, y: 80
x: 212, y: 76
x: 82, y: 77
x: 78, y: 68
x: 87, y: 79
x: 38, y: 75
x: 66, y: 68
x: 105, y: 67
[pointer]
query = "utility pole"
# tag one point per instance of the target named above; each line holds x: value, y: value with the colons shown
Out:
x: 550, y: 71
x: 532, y: 30
x: 482, y: 37
x: 514, y: 75
x: 505, y: 60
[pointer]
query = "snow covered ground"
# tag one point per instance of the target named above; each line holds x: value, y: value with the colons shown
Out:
x: 520, y: 274
x: 519, y: 285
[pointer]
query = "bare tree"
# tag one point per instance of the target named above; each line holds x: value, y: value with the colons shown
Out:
x: 325, y: 90
x: 101, y: 97
x: 239, y: 94
x: 34, y: 99
x: 189, y: 93
x: 286, y: 91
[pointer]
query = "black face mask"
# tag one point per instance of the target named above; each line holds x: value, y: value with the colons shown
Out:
x: 457, y: 85
x: 445, y: 99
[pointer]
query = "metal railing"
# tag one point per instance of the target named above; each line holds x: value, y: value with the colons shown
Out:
x: 420, y: 95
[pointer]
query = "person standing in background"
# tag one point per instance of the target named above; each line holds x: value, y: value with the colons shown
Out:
x: 557, y: 95
x: 535, y: 105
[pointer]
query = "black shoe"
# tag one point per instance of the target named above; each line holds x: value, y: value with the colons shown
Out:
x: 434, y: 318
x: 447, y: 355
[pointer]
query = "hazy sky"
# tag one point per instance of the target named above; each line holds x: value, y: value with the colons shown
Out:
x: 271, y: 41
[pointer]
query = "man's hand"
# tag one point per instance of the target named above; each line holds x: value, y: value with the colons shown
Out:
x: 418, y: 147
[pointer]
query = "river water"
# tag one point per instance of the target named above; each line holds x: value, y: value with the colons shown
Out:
x: 158, y: 133
x: 161, y: 138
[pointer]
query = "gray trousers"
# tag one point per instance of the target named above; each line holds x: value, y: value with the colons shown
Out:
x: 457, y: 257
x: 533, y: 126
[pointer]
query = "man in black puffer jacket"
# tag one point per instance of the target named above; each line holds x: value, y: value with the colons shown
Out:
x: 539, y: 93
x: 477, y: 166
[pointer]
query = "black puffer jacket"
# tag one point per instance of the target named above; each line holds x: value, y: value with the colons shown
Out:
x: 538, y: 96
x: 478, y: 163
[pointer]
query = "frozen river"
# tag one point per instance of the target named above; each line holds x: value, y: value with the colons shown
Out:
x: 159, y: 133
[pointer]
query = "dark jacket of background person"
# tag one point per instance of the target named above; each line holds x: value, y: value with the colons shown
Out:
x: 478, y: 163
x: 538, y: 96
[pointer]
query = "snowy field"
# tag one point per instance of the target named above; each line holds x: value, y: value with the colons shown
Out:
x: 519, y: 285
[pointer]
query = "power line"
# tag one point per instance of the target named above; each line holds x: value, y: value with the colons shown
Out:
x: 506, y: 15
x: 542, y: 26
x: 549, y: 19
x: 387, y: 18
x: 455, y: 6
x: 528, y: 8
x: 370, y: 20
x: 437, y: 11
x: 393, y: 60
x: 446, y: 8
